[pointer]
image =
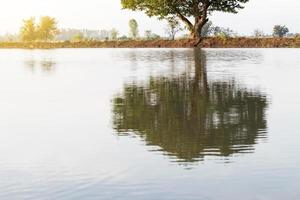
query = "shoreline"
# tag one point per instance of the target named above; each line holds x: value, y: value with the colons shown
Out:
x: 213, y: 42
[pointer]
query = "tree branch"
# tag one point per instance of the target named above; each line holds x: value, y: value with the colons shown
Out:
x: 185, y: 20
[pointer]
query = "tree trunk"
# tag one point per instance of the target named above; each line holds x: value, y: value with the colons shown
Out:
x: 198, y: 30
x: 200, y: 20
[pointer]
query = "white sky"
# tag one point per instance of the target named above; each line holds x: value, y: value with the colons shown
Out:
x: 106, y: 14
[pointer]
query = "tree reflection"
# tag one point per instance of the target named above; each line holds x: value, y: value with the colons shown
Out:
x: 189, y: 117
x: 45, y: 65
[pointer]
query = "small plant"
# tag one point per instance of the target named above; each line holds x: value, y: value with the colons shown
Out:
x: 223, y: 36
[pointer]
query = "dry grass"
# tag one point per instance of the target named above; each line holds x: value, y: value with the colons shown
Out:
x: 240, y: 42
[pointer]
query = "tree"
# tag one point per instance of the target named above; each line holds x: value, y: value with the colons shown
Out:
x: 113, y: 34
x: 78, y: 37
x: 9, y: 37
x: 185, y: 10
x: 280, y: 31
x: 47, y: 28
x: 222, y: 32
x: 123, y: 37
x: 210, y: 30
x: 258, y: 33
x: 134, y: 31
x: 207, y: 29
x: 148, y: 34
x: 28, y: 30
x: 173, y: 27
x: 151, y: 36
x: 155, y: 36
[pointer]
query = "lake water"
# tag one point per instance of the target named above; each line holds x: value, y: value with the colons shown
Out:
x: 150, y: 124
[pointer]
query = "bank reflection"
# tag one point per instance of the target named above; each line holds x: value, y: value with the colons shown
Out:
x: 189, y: 117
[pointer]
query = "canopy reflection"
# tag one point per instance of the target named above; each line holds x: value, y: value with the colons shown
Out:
x: 189, y: 117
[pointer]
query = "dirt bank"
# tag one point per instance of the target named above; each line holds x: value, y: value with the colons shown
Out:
x: 185, y: 43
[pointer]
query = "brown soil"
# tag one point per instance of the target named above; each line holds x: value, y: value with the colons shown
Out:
x: 185, y: 43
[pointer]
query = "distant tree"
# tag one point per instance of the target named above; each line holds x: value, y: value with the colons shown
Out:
x: 198, y: 10
x: 47, y: 28
x: 28, y: 30
x: 258, y: 33
x: 113, y: 34
x: 123, y: 37
x: 173, y: 27
x: 10, y: 37
x: 133, y: 29
x: 185, y: 36
x: 280, y: 31
x: 104, y: 34
x: 148, y: 34
x: 155, y: 36
x: 222, y: 32
x: 78, y: 37
x: 207, y: 29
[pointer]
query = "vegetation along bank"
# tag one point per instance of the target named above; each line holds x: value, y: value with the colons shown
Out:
x: 212, y: 42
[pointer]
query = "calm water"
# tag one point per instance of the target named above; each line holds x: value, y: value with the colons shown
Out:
x: 150, y: 124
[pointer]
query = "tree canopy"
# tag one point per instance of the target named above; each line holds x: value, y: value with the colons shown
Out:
x: 185, y: 10
x: 280, y: 31
x: 46, y: 29
x: 28, y: 30
x: 133, y: 26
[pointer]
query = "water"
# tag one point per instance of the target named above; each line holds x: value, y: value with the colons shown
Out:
x: 149, y: 124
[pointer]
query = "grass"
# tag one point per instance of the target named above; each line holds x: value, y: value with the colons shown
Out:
x: 213, y: 42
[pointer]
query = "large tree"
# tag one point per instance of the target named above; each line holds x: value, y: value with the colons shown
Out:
x: 47, y: 29
x: 185, y: 10
x: 28, y: 30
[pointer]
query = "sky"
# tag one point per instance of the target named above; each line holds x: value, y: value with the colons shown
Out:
x: 107, y: 14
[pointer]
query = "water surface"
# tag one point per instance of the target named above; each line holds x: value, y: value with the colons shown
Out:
x: 149, y: 124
